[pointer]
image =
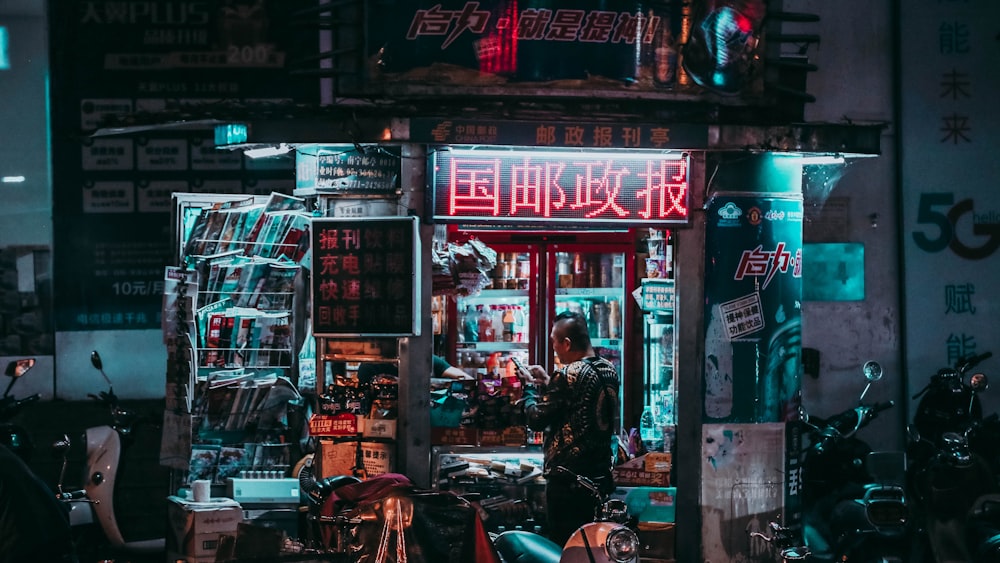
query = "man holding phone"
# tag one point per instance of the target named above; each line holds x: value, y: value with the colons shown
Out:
x: 577, y: 407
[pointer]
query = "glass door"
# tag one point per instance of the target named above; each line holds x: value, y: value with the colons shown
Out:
x: 496, y: 324
x: 592, y: 281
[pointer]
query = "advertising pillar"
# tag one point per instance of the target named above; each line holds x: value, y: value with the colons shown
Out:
x: 753, y: 295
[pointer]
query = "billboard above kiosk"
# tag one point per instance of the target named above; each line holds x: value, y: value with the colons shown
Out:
x: 552, y: 47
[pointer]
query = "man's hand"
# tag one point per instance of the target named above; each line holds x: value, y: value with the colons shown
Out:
x: 539, y: 375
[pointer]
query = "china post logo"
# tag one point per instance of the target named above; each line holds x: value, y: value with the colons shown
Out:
x: 729, y: 215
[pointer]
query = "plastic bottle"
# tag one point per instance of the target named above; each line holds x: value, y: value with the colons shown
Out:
x: 508, y: 324
x: 649, y: 431
x: 470, y: 325
x: 484, y: 325
x: 496, y: 317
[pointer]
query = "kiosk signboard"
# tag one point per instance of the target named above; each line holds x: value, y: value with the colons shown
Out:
x: 364, y: 276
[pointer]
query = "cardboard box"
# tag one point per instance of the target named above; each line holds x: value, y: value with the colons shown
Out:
x: 649, y: 504
x: 339, y: 458
x: 644, y: 471
x: 378, y: 427
x: 195, y: 527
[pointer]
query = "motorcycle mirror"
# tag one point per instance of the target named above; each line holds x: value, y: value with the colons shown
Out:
x: 17, y: 368
x: 95, y: 360
x: 873, y: 372
x: 979, y: 382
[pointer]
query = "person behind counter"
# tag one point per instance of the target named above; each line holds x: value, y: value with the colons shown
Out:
x: 440, y: 366
x: 577, y: 406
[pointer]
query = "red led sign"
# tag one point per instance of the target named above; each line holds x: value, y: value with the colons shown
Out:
x: 547, y: 187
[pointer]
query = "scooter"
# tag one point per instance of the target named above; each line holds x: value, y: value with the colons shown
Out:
x: 92, y: 508
x: 608, y: 539
x: 854, y: 501
x: 951, y: 479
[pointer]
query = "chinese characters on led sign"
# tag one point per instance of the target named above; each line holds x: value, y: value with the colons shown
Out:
x: 588, y: 26
x: 550, y: 188
x: 363, y: 273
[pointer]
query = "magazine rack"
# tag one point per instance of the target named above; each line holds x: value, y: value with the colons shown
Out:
x: 244, y: 255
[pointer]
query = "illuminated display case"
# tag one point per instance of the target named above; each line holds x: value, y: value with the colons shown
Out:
x: 537, y: 276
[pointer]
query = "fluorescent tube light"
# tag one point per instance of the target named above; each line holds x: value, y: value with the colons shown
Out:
x: 265, y: 152
x: 822, y: 159
x: 12, y: 179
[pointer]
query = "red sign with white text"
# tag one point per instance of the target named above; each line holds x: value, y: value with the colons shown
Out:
x: 510, y: 187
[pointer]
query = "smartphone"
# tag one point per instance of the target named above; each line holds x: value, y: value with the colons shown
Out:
x: 522, y: 368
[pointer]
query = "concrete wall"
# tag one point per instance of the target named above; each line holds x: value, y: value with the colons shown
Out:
x: 853, y: 83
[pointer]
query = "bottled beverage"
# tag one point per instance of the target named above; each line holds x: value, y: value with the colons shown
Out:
x: 607, y: 271
x: 614, y: 319
x: 649, y: 430
x: 508, y: 324
x: 520, y: 330
x: 496, y: 317
x: 470, y: 324
x: 484, y: 325
x: 523, y: 271
x: 579, y: 270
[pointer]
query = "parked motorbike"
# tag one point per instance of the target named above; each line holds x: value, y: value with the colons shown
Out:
x: 785, y: 543
x: 608, y: 539
x: 92, y: 508
x: 950, y: 477
x: 34, y: 526
x: 14, y: 436
x: 855, y: 506
x: 386, y: 519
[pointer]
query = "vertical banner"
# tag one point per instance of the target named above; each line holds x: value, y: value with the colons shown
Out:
x: 753, y: 295
x: 950, y: 203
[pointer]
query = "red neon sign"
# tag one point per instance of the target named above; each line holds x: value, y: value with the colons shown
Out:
x: 511, y: 187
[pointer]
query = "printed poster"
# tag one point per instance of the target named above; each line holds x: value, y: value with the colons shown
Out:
x: 753, y: 297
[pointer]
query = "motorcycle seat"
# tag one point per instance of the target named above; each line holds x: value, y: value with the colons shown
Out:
x: 518, y: 546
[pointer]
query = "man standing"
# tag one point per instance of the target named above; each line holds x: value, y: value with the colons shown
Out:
x: 577, y: 407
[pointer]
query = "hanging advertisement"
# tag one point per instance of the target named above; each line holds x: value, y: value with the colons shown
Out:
x: 112, y: 194
x: 584, y: 45
x: 753, y: 295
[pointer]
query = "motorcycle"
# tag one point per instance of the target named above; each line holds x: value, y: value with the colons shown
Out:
x: 33, y: 524
x: 854, y: 500
x: 784, y: 543
x: 92, y: 508
x: 609, y: 538
x: 386, y: 519
x: 14, y: 436
x: 950, y: 476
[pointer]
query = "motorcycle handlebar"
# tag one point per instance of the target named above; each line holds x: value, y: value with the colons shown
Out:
x: 971, y: 362
x: 879, y: 407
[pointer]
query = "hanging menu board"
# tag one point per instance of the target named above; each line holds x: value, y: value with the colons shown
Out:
x: 364, y: 276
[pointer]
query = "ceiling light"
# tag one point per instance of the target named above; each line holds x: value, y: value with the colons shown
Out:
x: 264, y: 152
x: 12, y: 179
x: 822, y: 159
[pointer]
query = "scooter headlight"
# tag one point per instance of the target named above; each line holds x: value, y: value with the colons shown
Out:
x: 622, y: 545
